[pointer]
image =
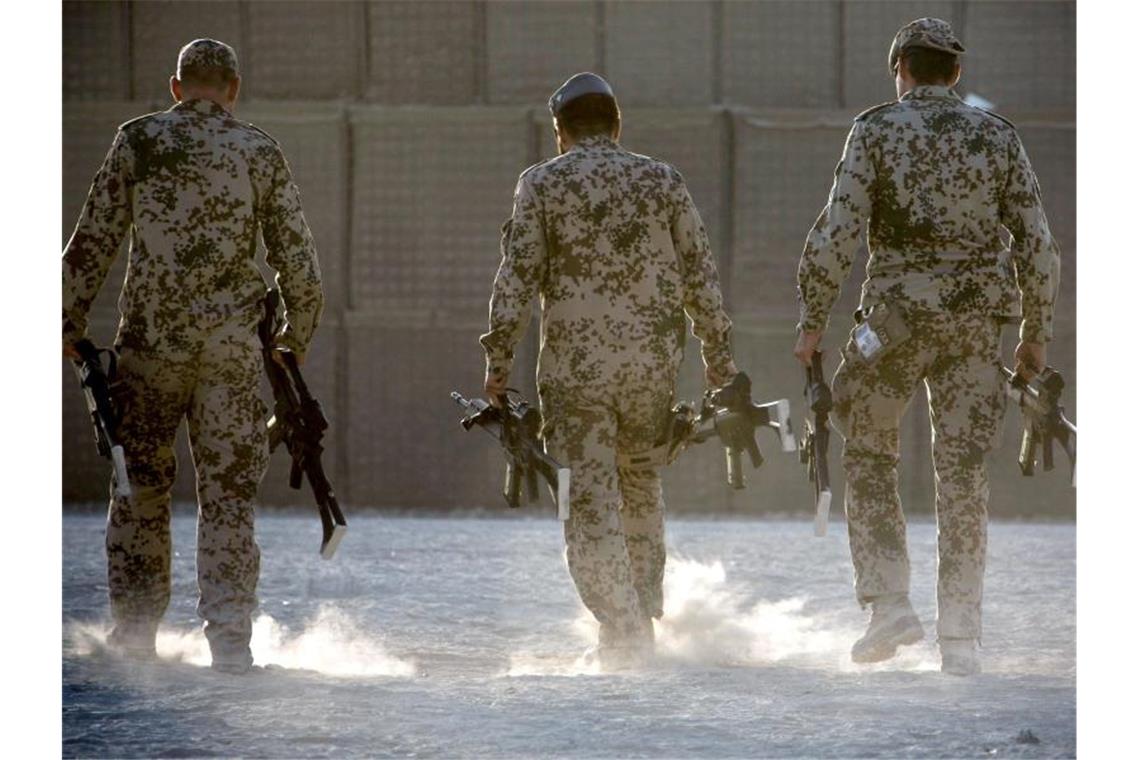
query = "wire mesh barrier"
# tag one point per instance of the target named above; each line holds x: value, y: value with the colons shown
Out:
x: 534, y: 47
x: 95, y: 38
x: 1019, y: 70
x: 676, y: 69
x: 431, y: 189
x: 777, y: 54
x: 405, y: 444
x: 424, y: 53
x: 783, y: 172
x: 303, y: 50
x: 406, y: 125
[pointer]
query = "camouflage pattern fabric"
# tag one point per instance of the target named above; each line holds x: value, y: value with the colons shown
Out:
x: 215, y: 390
x: 957, y: 359
x: 938, y: 181
x: 615, y: 537
x: 613, y: 244
x: 193, y: 186
x: 927, y: 32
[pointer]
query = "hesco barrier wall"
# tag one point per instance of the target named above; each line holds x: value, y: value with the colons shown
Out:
x: 407, y: 123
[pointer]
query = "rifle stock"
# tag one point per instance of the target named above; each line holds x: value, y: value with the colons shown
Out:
x: 95, y: 381
x: 813, y: 446
x: 1043, y: 420
x: 727, y: 414
x: 516, y: 426
x: 299, y: 423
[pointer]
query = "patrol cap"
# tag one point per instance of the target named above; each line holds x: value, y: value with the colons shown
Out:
x: 206, y: 55
x: 576, y: 86
x: 927, y: 32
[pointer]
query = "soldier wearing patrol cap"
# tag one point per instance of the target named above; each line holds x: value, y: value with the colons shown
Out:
x: 192, y: 185
x: 936, y: 182
x: 613, y: 244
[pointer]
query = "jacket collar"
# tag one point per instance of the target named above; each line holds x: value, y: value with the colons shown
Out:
x: 930, y: 91
x: 594, y: 142
x: 202, y: 106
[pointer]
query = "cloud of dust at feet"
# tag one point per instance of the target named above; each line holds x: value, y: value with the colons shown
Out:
x: 330, y: 643
x: 710, y: 621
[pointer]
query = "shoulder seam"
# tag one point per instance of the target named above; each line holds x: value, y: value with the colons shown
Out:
x: 997, y: 116
x: 864, y: 114
x: 258, y: 129
x: 137, y: 119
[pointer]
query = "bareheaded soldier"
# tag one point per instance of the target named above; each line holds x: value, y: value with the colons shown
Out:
x: 936, y: 181
x: 612, y: 243
x: 192, y: 185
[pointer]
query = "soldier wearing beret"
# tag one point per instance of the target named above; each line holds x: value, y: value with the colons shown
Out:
x: 935, y: 183
x: 612, y: 243
x: 192, y: 186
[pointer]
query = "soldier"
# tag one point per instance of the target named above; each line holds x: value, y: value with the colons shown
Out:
x: 192, y: 185
x: 937, y: 180
x: 612, y: 242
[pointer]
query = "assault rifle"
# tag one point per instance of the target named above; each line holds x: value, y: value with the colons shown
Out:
x: 94, y: 380
x: 728, y: 414
x: 516, y: 426
x: 1043, y: 419
x: 299, y: 422
x: 813, y: 446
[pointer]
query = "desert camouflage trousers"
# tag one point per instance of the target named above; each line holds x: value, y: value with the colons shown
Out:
x: 217, y: 391
x: 615, y: 535
x: 958, y: 359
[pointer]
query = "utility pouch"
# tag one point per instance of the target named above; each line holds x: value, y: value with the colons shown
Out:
x: 880, y: 328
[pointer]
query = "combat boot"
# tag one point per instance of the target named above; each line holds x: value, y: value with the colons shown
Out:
x: 134, y: 639
x: 617, y: 650
x: 960, y: 657
x: 893, y: 624
x: 229, y: 648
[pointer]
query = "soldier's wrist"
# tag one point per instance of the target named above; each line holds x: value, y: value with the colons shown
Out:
x: 811, y: 324
x: 1035, y: 334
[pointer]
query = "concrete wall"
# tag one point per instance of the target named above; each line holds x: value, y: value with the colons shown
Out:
x: 406, y: 124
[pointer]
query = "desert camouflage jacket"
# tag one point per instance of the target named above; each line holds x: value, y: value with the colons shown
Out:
x: 938, y: 180
x: 612, y: 242
x: 192, y: 185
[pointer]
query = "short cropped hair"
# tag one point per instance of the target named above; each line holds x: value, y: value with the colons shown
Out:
x: 216, y: 77
x: 929, y: 66
x: 589, y: 115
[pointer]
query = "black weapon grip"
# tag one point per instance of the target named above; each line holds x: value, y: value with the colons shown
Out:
x: 531, y: 485
x: 1027, y: 454
x: 753, y: 450
x: 512, y: 489
x: 1047, y: 450
x: 735, y: 469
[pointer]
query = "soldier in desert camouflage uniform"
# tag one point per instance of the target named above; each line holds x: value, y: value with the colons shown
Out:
x: 937, y: 180
x: 192, y: 185
x: 613, y: 244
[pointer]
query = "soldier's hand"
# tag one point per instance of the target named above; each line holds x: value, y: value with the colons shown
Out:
x: 806, y: 344
x: 1030, y: 358
x: 69, y: 351
x: 279, y: 356
x: 718, y: 379
x: 495, y: 385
